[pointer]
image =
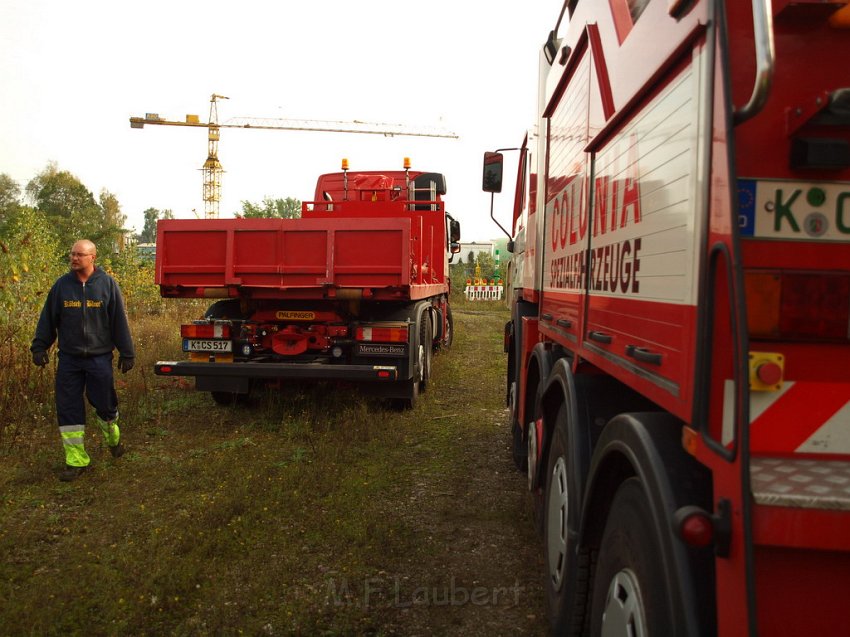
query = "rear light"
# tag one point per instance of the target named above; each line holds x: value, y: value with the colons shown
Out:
x: 694, y: 526
x: 812, y: 306
x: 205, y: 330
x: 841, y: 18
x: 382, y: 334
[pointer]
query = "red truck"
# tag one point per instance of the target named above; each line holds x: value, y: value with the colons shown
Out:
x: 679, y: 342
x: 355, y: 290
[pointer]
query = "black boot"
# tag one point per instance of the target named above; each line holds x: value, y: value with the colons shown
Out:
x: 69, y: 473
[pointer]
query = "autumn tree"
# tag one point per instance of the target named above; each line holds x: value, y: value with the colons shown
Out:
x: 72, y: 209
x: 112, y: 230
x: 10, y: 198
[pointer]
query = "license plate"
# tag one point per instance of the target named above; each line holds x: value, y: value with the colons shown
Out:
x: 206, y: 345
x: 795, y: 210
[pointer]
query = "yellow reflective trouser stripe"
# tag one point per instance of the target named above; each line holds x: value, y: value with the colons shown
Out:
x: 73, y: 434
x: 73, y: 437
x: 111, y: 432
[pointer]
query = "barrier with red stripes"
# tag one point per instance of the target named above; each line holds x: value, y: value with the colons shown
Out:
x: 484, y: 292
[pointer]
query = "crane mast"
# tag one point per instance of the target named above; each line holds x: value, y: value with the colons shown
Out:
x: 212, y: 166
x: 213, y: 169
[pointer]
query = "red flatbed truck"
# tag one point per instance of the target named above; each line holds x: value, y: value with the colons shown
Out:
x: 679, y: 345
x: 355, y: 290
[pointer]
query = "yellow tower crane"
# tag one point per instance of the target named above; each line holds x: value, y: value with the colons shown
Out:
x: 212, y: 168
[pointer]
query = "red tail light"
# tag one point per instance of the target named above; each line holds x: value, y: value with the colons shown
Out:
x: 798, y: 305
x: 393, y: 333
x: 205, y: 330
x: 695, y: 526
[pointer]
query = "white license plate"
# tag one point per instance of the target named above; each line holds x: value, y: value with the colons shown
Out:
x: 206, y: 345
x: 795, y: 210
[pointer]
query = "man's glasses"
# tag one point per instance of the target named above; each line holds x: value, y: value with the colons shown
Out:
x: 79, y: 254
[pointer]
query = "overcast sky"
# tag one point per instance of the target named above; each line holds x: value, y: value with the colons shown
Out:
x: 72, y: 73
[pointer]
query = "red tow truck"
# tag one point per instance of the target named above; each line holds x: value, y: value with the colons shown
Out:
x: 355, y: 290
x: 679, y: 342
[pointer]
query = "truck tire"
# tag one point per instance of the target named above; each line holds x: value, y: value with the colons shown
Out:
x: 567, y: 571
x: 225, y: 309
x: 426, y: 349
x: 629, y: 585
x: 519, y: 448
x: 448, y: 337
x: 421, y: 368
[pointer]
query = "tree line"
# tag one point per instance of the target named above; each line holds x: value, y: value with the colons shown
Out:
x: 73, y: 211
x: 288, y: 208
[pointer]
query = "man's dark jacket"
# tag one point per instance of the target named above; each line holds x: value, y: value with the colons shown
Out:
x: 89, y: 317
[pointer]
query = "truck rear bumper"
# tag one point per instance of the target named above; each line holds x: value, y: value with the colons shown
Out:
x: 306, y: 371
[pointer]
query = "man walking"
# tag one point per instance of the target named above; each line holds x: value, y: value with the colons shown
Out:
x: 86, y: 310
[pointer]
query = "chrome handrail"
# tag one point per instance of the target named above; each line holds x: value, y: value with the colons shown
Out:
x: 765, y: 60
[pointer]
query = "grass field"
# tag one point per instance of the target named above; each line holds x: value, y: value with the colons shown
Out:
x: 311, y: 511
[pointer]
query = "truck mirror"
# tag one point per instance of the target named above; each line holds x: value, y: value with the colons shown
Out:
x: 455, y: 247
x: 492, y: 181
x: 551, y: 47
x: 454, y: 231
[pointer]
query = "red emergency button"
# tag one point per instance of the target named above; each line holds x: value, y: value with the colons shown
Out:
x: 769, y: 373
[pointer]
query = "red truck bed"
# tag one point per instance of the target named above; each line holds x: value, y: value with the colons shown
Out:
x: 381, y: 257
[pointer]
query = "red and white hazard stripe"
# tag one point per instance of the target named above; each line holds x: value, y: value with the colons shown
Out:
x: 802, y: 417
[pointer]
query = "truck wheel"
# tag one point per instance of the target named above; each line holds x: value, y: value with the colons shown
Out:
x: 426, y: 342
x: 519, y: 449
x: 566, y: 576
x: 449, y: 335
x: 628, y: 589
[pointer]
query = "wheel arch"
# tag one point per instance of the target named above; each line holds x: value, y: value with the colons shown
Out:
x: 537, y: 373
x: 519, y: 310
x: 440, y: 311
x: 648, y: 446
x: 562, y: 387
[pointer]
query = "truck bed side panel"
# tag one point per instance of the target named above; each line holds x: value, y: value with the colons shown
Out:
x: 289, y: 253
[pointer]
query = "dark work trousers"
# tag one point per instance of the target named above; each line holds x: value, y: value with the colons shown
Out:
x: 93, y: 375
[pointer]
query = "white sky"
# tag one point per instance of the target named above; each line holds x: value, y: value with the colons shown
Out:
x: 72, y: 73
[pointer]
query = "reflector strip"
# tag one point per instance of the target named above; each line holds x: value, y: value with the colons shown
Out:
x: 792, y: 421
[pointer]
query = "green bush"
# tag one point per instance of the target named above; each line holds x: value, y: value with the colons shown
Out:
x: 29, y: 263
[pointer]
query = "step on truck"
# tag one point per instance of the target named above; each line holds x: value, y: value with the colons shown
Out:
x: 355, y: 290
x: 679, y: 344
